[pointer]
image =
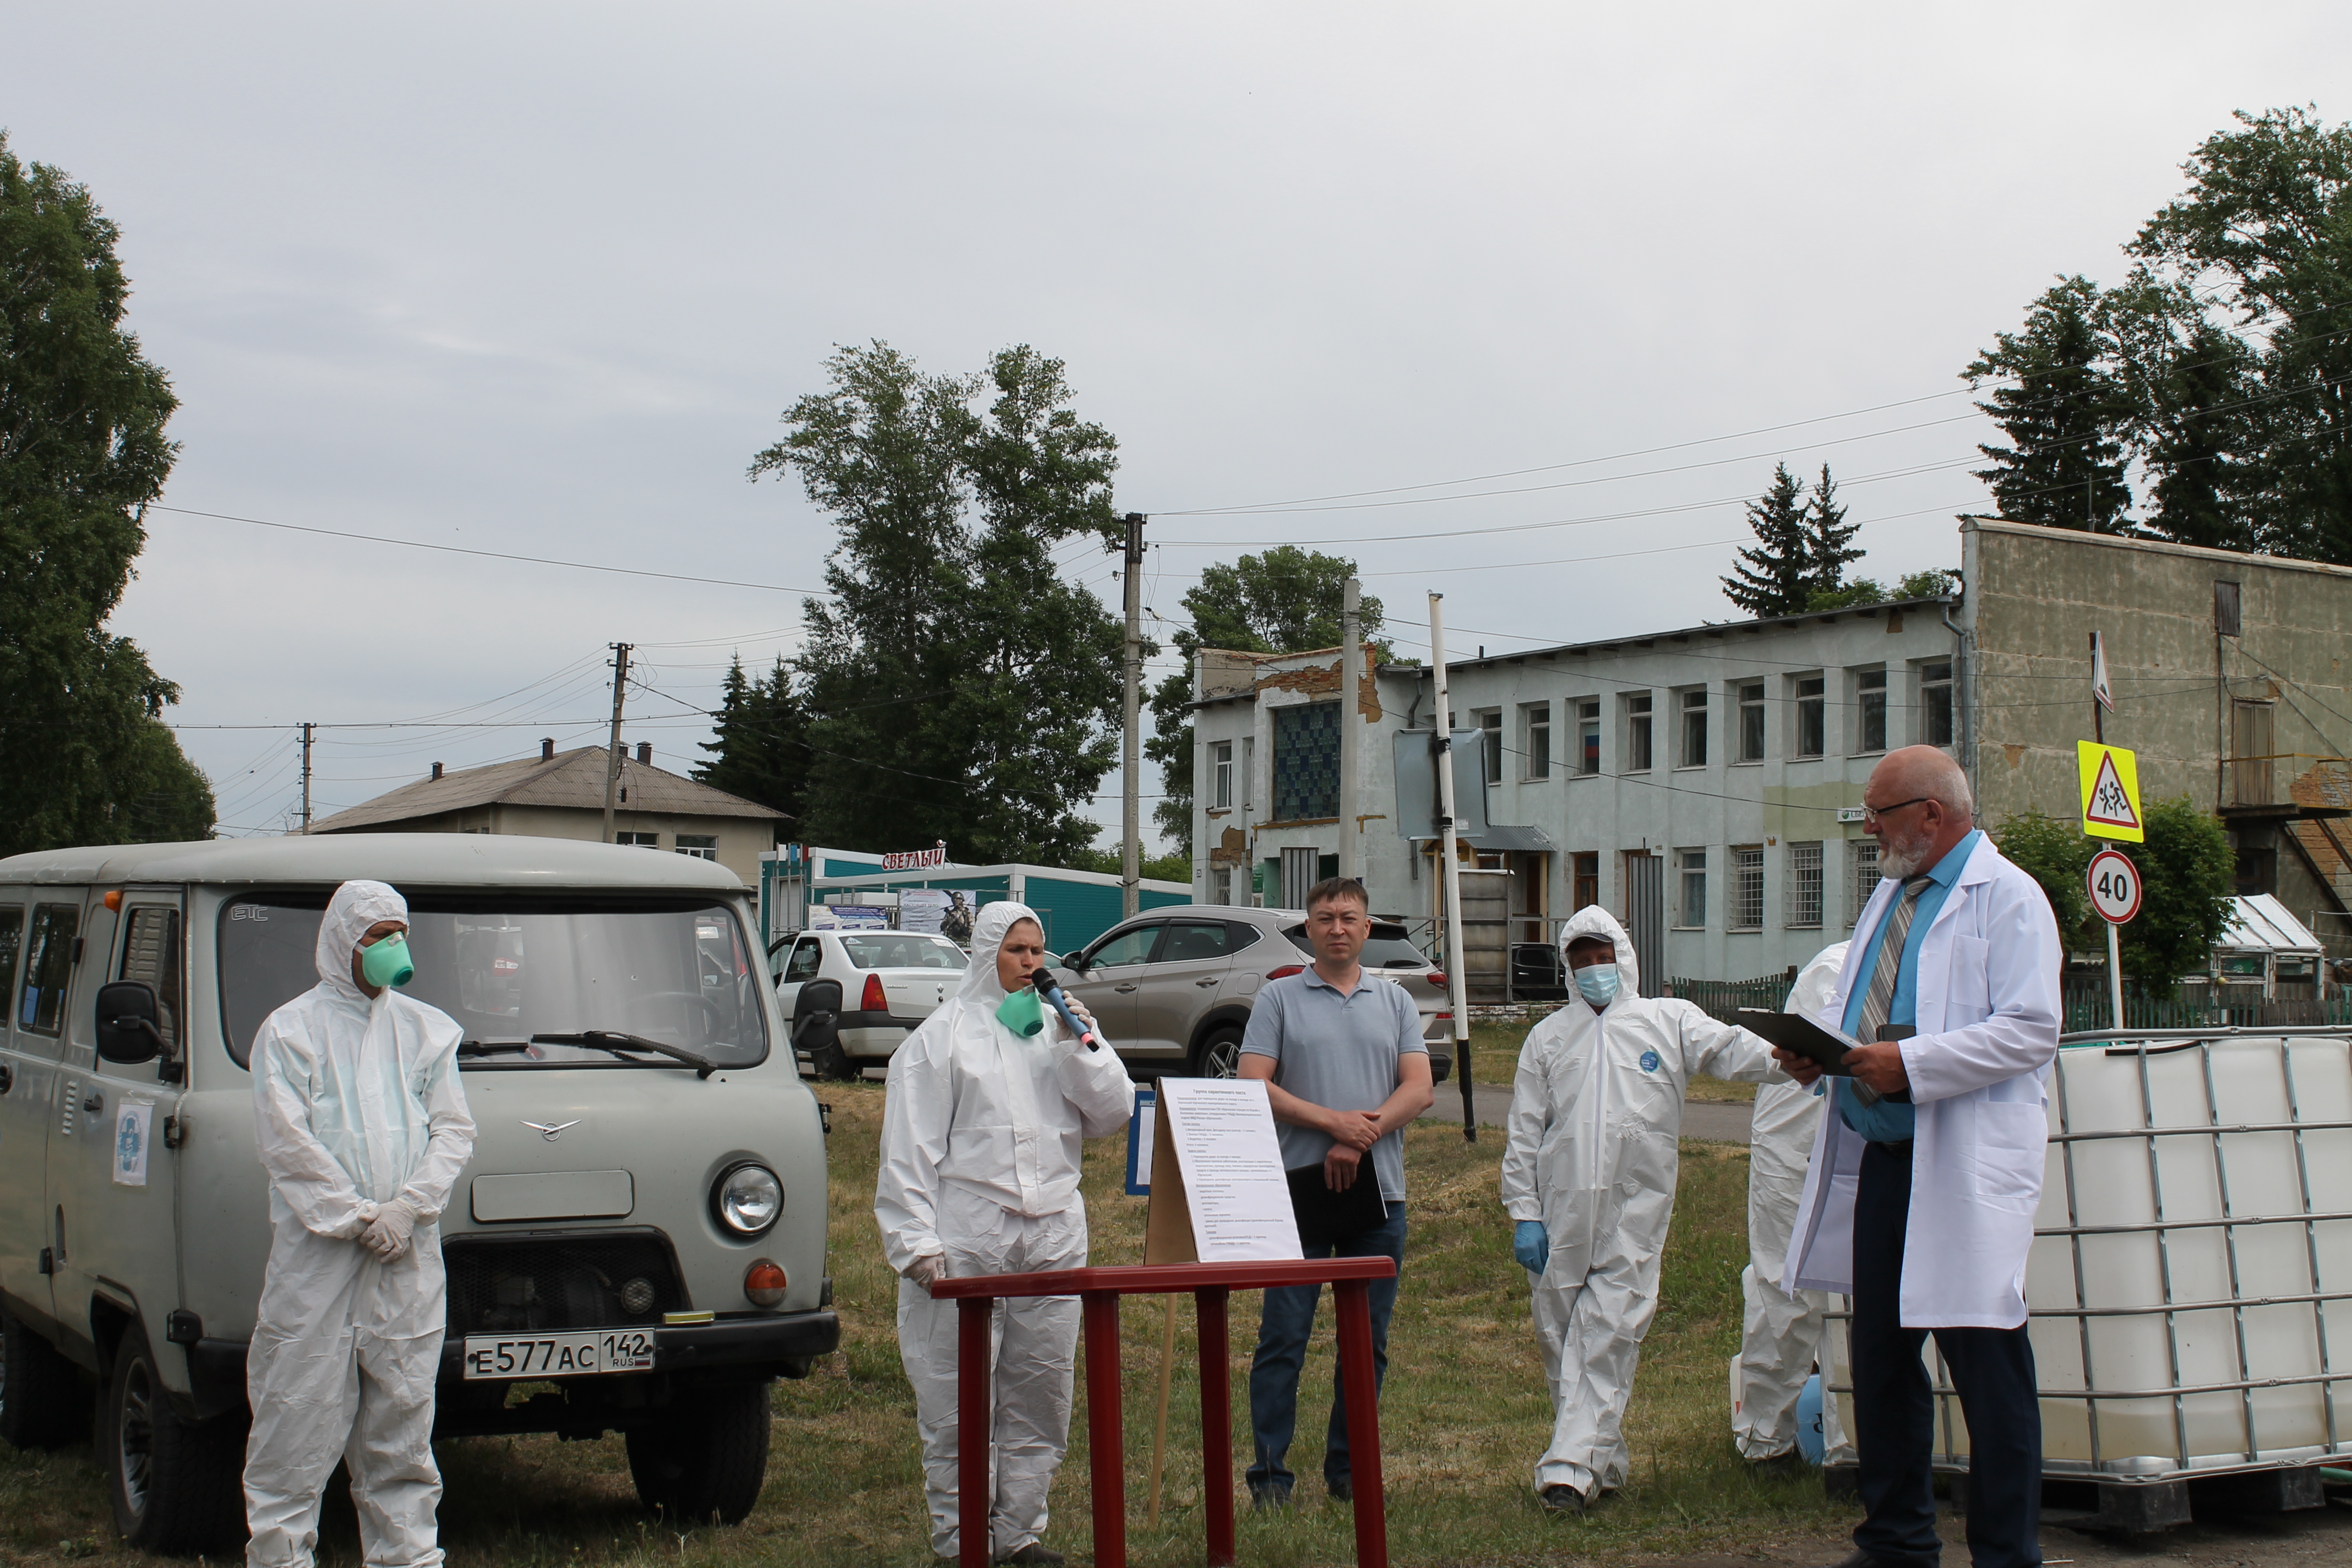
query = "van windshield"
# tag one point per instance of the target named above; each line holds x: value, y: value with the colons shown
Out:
x: 511, y: 967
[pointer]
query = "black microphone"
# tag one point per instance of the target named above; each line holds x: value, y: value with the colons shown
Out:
x: 1051, y: 994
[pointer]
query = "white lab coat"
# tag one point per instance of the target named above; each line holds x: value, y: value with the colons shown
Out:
x: 1591, y: 1152
x: 356, y: 1102
x: 980, y: 1141
x: 1988, y: 1030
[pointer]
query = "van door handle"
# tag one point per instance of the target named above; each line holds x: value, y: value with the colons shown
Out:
x: 92, y: 1104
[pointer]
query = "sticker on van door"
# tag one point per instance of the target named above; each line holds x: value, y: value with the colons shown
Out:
x: 132, y: 1125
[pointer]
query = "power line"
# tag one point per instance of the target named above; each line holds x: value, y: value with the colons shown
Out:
x: 495, y: 555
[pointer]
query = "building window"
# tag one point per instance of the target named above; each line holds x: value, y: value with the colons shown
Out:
x: 1490, y: 727
x: 1804, y: 884
x: 1305, y: 761
x: 1220, y: 775
x: 1587, y: 889
x: 1535, y: 720
x: 1935, y: 704
x: 1588, y: 736
x: 701, y: 846
x: 1813, y: 716
x: 1863, y: 855
x: 1694, y: 751
x: 639, y: 840
x: 1870, y: 711
x: 1637, y: 732
x: 1747, y: 911
x: 1751, y: 721
x: 1692, y: 911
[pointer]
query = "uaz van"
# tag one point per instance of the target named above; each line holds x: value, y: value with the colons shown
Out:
x: 638, y: 1244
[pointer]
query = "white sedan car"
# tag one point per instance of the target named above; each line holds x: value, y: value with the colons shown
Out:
x: 890, y: 982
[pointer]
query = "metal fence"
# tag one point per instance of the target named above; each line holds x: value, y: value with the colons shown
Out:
x: 1722, y: 998
x: 2087, y: 1008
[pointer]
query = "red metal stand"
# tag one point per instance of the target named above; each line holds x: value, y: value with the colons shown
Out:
x: 1098, y: 1290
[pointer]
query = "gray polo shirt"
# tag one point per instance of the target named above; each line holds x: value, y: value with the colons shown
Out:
x: 1337, y: 1051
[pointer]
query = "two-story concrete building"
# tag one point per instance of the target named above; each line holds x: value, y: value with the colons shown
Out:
x: 1706, y: 784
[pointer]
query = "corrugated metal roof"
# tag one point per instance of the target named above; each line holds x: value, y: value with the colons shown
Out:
x: 2262, y: 921
x: 573, y: 780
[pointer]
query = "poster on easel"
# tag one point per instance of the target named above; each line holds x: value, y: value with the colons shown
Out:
x: 1218, y: 1190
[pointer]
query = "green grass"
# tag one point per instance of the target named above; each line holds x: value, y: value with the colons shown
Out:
x: 1463, y: 1421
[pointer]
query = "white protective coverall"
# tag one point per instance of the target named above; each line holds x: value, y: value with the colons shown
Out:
x: 980, y: 1136
x: 356, y: 1104
x: 1782, y: 1335
x: 1596, y: 1109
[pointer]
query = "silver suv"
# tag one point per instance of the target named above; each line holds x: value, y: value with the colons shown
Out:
x: 1172, y: 988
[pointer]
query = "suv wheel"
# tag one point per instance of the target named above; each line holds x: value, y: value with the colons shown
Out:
x: 1219, y: 1054
x: 707, y: 1458
x: 175, y: 1485
x: 41, y: 1404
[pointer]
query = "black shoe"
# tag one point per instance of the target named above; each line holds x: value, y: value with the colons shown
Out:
x: 1342, y: 1491
x: 1788, y: 1462
x: 1265, y: 1499
x: 1036, y: 1553
x: 1562, y: 1497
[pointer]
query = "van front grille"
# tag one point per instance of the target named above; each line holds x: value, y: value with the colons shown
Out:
x: 577, y: 1280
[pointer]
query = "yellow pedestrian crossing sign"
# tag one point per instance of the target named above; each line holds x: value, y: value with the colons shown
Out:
x: 2110, y: 782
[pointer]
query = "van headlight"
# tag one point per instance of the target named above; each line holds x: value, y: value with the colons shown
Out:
x: 747, y: 1199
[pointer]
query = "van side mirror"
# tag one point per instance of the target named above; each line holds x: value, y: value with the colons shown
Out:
x: 127, y: 1035
x: 816, y: 1013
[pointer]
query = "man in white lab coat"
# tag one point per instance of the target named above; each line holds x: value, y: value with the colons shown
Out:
x: 1920, y: 1204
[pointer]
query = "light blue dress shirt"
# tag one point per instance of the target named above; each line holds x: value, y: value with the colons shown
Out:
x: 1888, y: 1121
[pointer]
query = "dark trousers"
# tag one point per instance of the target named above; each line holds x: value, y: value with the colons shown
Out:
x: 1894, y: 1408
x: 1283, y: 1331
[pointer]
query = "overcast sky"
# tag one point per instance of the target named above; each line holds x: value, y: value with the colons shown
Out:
x: 540, y: 278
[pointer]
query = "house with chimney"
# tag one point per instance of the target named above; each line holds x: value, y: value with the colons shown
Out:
x: 561, y: 795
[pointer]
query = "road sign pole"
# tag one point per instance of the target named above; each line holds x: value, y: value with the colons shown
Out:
x: 2116, y: 972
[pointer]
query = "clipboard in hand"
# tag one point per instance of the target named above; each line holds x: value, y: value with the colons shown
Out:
x: 1326, y: 1216
x: 1796, y: 1033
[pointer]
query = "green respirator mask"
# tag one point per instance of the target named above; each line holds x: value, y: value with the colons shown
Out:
x: 1022, y: 1013
x: 385, y: 962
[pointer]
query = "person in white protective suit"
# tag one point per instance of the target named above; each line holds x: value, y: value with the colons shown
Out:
x: 1782, y: 1334
x: 362, y: 1126
x: 1588, y: 1178
x: 988, y: 1106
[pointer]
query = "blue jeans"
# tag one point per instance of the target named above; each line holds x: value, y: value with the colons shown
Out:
x: 1282, y: 1335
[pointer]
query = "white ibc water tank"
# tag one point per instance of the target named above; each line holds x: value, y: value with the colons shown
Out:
x: 2190, y: 1282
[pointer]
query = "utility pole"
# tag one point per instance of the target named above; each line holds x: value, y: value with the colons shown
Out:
x: 613, y: 750
x: 1130, y: 849
x: 1457, y: 992
x: 1351, y: 665
x: 308, y: 730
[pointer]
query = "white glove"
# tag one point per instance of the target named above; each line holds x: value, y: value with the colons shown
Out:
x: 929, y: 1267
x: 388, y: 1237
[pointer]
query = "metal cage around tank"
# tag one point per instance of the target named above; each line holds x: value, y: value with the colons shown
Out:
x: 2192, y: 1259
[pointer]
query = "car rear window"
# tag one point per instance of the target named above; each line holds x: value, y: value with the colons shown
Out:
x: 1387, y: 948
x: 892, y: 949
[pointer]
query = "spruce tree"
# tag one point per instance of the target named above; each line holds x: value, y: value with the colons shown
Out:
x: 2063, y: 412
x: 1775, y: 577
x: 1829, y: 540
x: 759, y: 746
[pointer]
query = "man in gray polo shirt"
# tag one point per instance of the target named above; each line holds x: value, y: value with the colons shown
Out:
x: 1344, y: 1068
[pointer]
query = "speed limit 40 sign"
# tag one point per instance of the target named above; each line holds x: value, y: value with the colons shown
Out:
x: 2115, y: 887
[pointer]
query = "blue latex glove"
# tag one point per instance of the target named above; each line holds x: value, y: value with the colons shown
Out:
x: 1531, y: 1245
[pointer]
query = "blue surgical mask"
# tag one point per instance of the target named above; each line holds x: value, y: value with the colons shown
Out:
x: 1597, y: 984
